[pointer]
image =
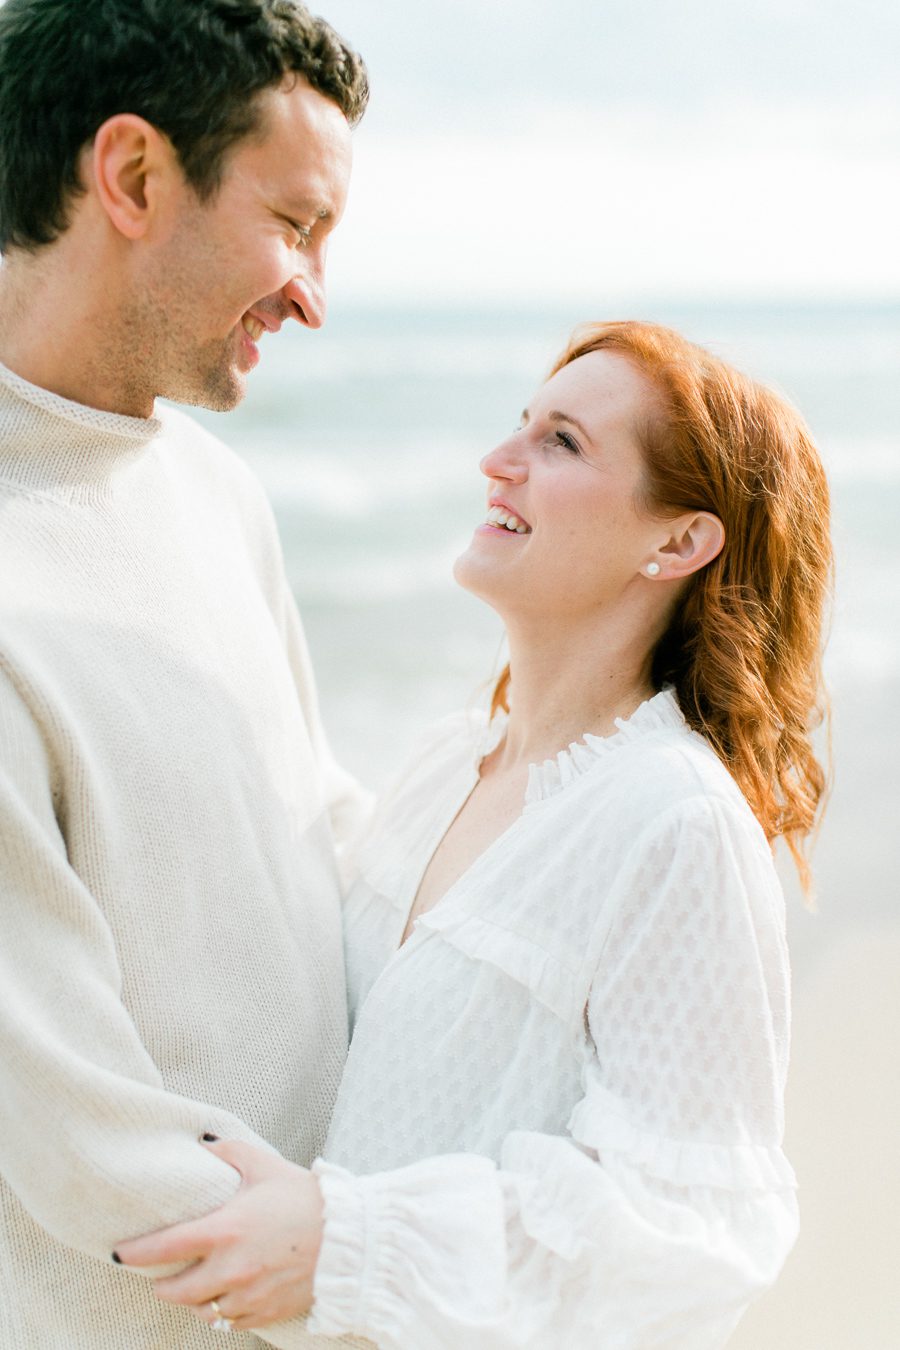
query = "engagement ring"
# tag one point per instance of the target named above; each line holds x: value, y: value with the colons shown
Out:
x: 221, y: 1323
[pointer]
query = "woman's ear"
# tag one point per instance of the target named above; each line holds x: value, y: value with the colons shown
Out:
x: 694, y: 541
x: 131, y: 163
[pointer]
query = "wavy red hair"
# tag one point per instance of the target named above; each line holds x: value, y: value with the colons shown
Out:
x: 744, y: 646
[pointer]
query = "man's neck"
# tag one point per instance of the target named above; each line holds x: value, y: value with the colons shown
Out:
x: 55, y: 332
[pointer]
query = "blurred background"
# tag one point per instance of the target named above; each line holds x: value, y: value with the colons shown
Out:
x: 733, y: 170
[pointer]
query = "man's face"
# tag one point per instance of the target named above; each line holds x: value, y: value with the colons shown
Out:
x: 240, y: 265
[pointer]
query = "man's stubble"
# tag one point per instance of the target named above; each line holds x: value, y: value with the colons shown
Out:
x: 153, y: 350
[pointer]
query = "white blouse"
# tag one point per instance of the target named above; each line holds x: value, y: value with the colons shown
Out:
x: 560, y: 1122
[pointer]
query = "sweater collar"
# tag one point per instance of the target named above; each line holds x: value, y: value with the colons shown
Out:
x: 48, y: 442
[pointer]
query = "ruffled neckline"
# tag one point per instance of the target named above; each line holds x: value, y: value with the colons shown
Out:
x: 659, y: 713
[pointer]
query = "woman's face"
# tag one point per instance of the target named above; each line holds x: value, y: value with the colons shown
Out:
x: 563, y: 535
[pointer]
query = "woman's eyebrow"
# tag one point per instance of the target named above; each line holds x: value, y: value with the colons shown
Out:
x: 557, y: 416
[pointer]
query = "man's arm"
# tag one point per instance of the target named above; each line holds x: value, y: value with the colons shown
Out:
x: 91, y: 1142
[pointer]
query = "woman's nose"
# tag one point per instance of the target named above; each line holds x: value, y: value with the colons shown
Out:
x: 505, y: 461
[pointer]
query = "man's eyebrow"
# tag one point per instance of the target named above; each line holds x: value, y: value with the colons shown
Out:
x: 306, y: 207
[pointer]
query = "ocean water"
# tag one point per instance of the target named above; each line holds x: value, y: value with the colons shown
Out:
x: 367, y: 436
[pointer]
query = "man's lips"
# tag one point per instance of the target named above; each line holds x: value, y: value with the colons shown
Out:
x: 248, y: 348
x: 255, y: 325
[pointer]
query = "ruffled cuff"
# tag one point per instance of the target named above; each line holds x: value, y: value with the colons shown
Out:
x: 338, y: 1305
x: 400, y: 1250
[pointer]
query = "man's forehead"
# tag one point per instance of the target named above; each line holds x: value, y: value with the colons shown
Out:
x: 302, y: 151
x: 297, y: 109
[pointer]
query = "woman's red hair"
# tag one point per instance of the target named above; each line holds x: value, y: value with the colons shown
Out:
x: 744, y: 647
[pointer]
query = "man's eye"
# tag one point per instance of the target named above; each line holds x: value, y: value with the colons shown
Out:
x: 303, y: 233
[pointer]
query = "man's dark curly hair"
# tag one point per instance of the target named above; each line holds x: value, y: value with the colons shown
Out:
x: 193, y: 68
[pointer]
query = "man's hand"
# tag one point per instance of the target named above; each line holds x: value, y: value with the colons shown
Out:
x: 255, y: 1257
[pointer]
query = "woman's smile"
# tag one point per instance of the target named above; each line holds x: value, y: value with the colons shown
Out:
x: 503, y: 520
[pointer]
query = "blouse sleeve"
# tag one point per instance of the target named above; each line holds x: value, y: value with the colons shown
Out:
x: 668, y: 1204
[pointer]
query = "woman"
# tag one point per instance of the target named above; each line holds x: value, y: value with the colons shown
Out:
x: 562, y: 1108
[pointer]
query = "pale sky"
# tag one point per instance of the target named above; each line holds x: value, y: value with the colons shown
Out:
x: 532, y: 151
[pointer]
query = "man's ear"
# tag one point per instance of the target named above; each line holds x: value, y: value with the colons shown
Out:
x: 694, y: 541
x: 132, y: 164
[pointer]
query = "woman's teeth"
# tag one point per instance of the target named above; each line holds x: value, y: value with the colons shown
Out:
x: 253, y: 327
x: 505, y: 519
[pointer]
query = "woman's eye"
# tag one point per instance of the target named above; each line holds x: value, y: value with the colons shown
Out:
x: 563, y: 438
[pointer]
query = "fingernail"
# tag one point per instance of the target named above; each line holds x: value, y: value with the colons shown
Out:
x: 117, y: 1258
x: 210, y: 1138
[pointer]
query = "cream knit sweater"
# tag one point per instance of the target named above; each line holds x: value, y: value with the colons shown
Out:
x: 170, y: 951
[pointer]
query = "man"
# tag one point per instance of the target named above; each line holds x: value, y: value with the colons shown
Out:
x: 170, y: 171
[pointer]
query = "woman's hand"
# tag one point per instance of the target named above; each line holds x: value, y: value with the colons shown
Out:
x: 254, y: 1259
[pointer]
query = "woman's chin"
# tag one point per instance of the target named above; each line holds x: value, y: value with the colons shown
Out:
x: 472, y: 573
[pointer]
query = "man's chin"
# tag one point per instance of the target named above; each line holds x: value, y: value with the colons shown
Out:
x: 219, y: 391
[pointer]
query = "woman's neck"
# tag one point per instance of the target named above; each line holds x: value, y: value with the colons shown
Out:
x: 567, y: 683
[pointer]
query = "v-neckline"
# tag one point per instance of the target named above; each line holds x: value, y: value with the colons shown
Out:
x: 435, y: 840
x: 659, y: 711
x: 400, y: 944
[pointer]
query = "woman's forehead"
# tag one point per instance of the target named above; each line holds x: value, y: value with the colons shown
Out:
x: 599, y: 388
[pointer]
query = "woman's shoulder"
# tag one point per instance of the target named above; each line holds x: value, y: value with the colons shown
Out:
x: 657, y: 790
x: 672, y: 806
x: 681, y: 766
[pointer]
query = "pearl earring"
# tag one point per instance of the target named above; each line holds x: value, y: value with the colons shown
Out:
x: 653, y: 569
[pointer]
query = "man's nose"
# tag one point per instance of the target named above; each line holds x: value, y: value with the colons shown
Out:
x: 305, y: 296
